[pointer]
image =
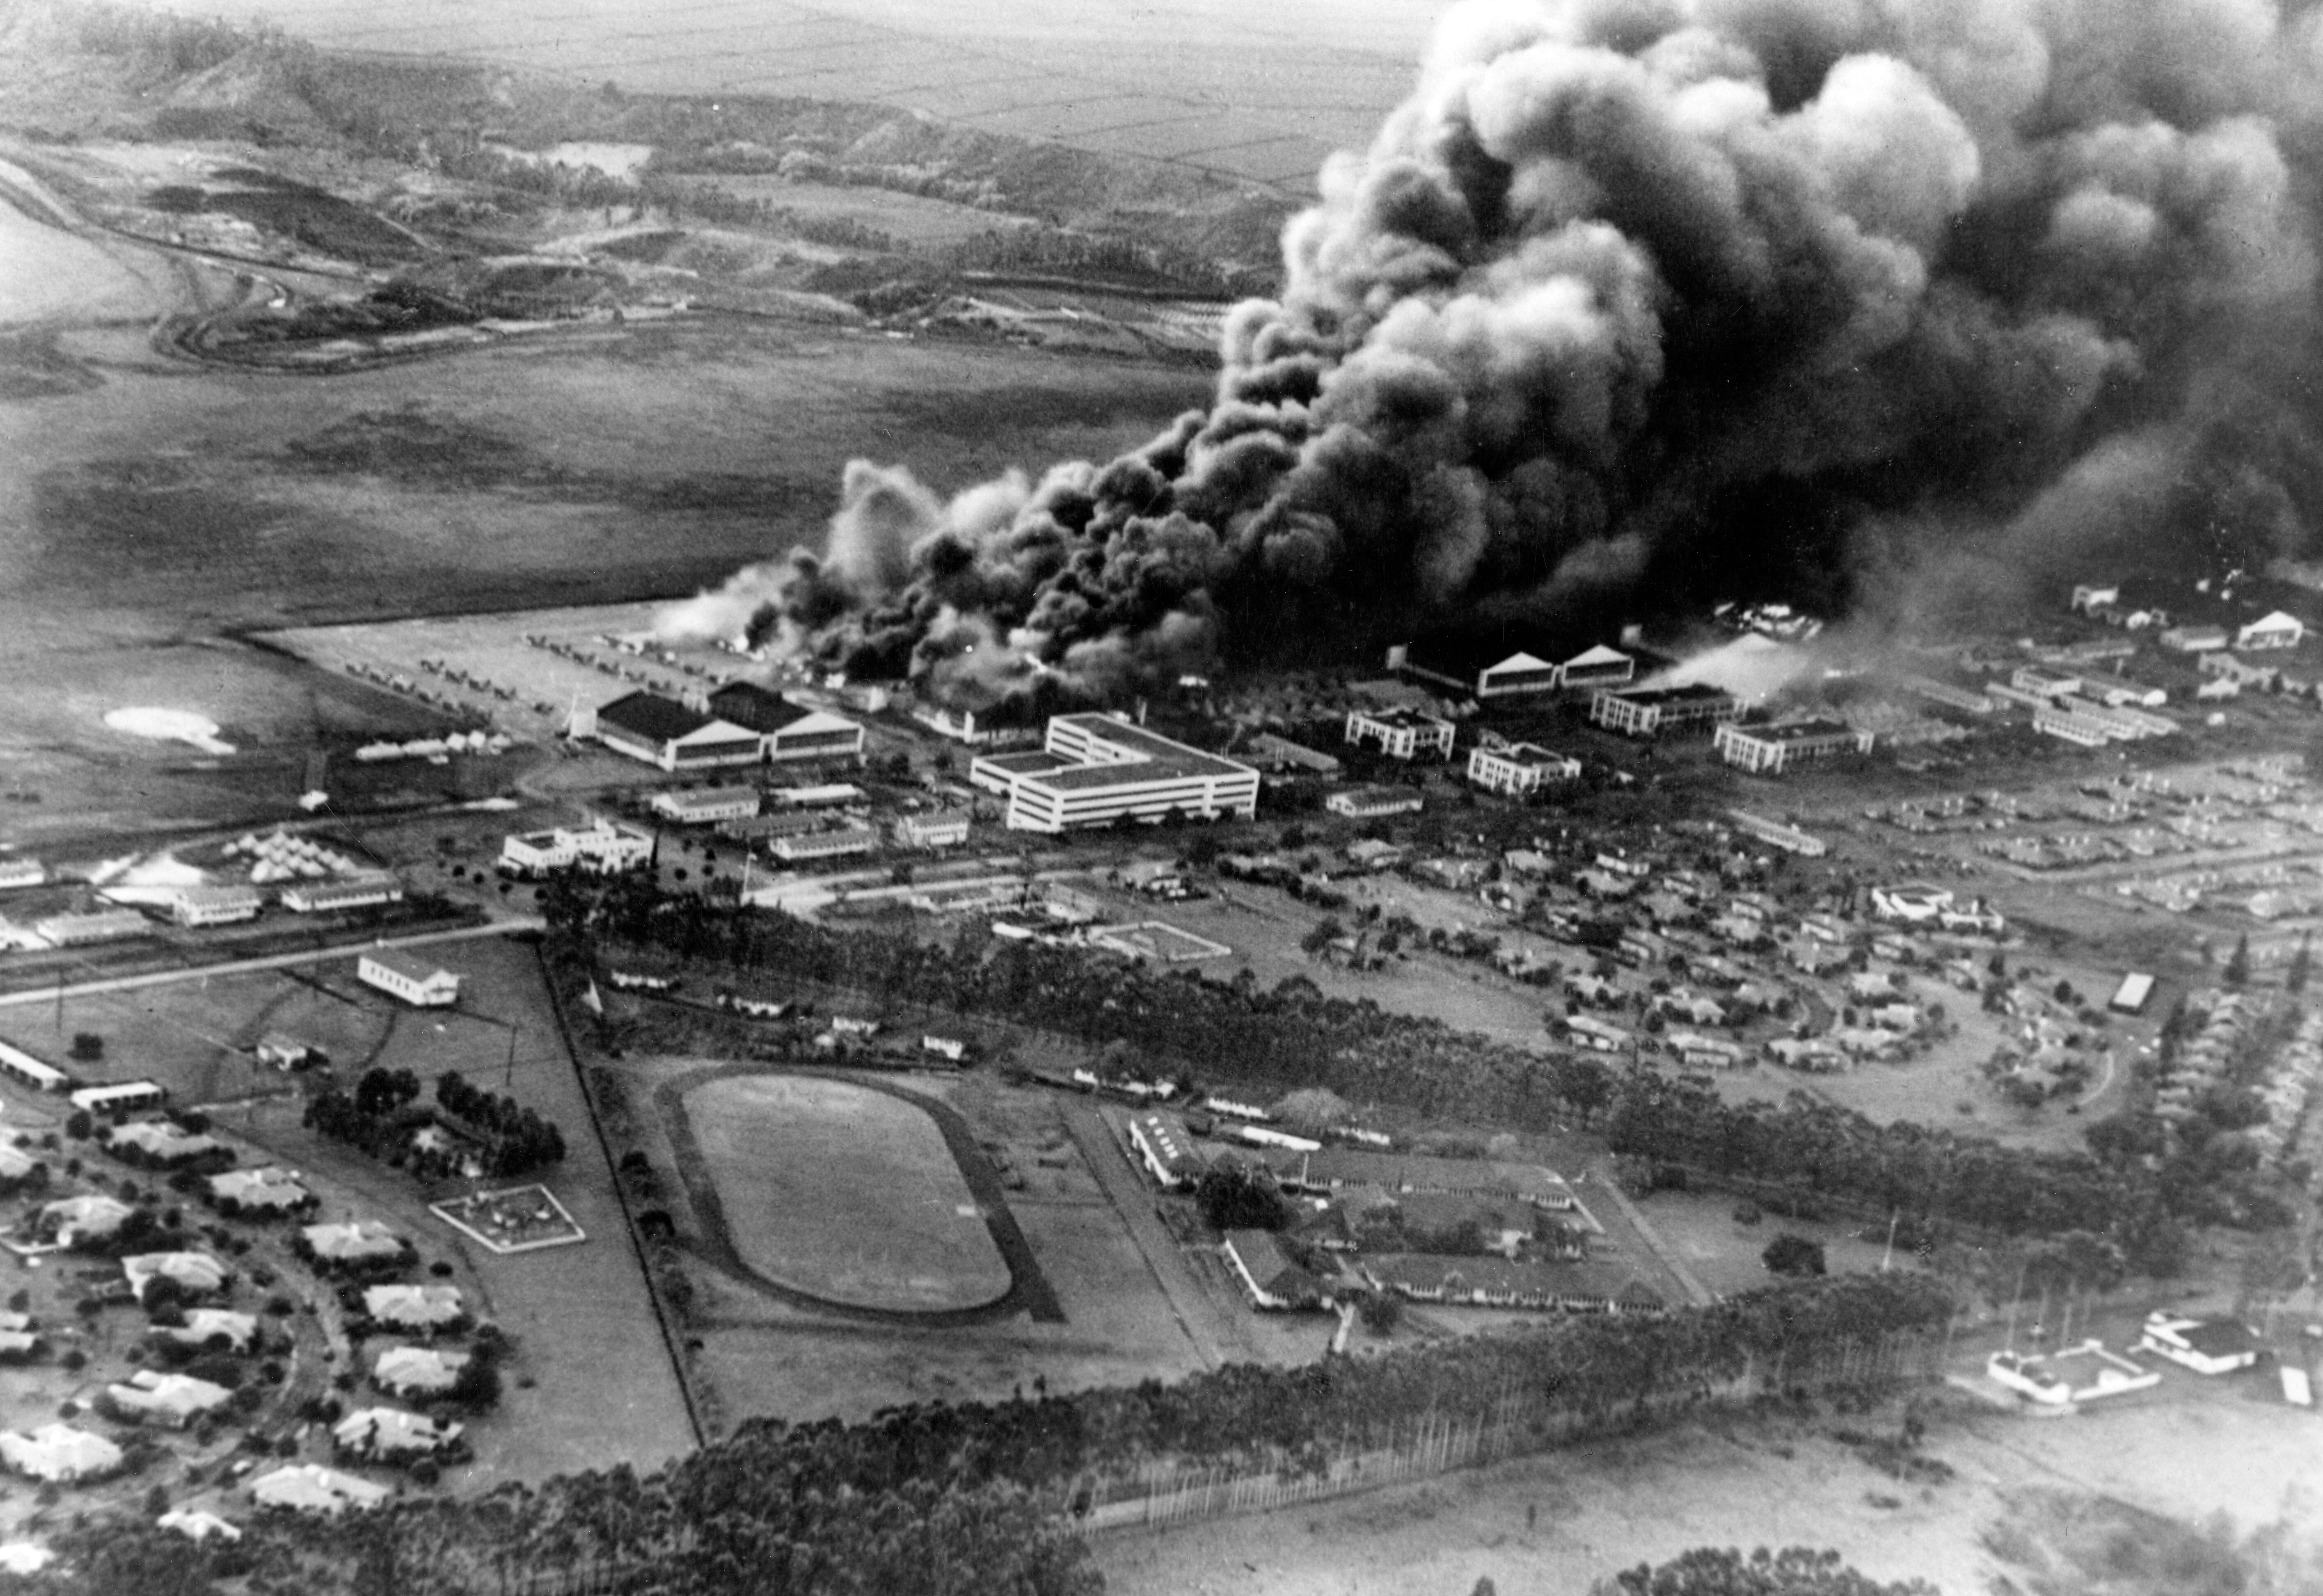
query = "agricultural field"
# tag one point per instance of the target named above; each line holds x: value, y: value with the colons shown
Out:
x: 1261, y: 96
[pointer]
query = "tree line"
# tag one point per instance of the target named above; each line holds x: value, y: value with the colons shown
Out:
x: 1295, y: 1037
x: 968, y: 1498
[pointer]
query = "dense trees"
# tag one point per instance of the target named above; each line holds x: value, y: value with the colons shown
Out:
x: 937, y: 1497
x: 1295, y: 1037
x: 1794, y: 1571
x: 1791, y: 1254
x: 384, y: 1116
x: 1235, y: 1196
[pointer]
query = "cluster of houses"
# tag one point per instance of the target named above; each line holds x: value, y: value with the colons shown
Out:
x: 187, y: 1290
x: 2284, y: 1087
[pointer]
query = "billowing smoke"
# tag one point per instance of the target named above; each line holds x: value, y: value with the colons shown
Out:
x: 1881, y: 305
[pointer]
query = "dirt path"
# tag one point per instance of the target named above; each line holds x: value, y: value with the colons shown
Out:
x: 1134, y: 1204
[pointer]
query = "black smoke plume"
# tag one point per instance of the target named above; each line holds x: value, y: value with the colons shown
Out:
x: 1637, y: 303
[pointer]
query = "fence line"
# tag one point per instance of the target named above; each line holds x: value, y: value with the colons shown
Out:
x: 1514, y: 1426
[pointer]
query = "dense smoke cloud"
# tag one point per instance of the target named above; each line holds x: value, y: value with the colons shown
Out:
x: 1635, y: 302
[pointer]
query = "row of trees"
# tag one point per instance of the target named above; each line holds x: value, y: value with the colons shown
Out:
x: 939, y: 1498
x: 1296, y: 1036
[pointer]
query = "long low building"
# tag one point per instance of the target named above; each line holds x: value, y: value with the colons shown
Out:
x: 348, y: 892
x: 704, y: 806
x: 1096, y: 769
x: 418, y: 982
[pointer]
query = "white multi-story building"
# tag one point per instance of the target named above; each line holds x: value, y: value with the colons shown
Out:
x: 1656, y: 712
x: 1401, y: 734
x: 603, y: 848
x: 422, y: 985
x: 1520, y: 770
x: 1096, y: 769
x: 1770, y: 750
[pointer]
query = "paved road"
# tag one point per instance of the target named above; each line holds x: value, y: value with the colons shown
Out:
x: 1126, y: 1190
x: 273, y: 961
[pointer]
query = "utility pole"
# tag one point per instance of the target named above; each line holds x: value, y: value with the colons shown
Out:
x: 508, y: 1075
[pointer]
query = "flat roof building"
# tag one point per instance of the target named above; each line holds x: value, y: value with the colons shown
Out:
x: 1661, y: 712
x: 1400, y: 734
x: 1096, y: 769
x: 215, y: 906
x: 664, y: 732
x: 1518, y: 770
x: 603, y: 848
x: 1775, y: 834
x: 703, y: 806
x: 104, y: 925
x: 349, y: 892
x: 26, y: 1070
x: 128, y: 1096
x: 2194, y: 639
x: 836, y: 843
x: 422, y: 985
x: 1770, y: 750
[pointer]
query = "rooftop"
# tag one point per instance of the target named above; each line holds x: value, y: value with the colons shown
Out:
x: 1154, y: 758
x: 650, y: 715
x: 1691, y: 692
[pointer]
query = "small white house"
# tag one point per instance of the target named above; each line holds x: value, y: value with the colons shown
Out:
x: 2276, y: 630
x: 422, y: 985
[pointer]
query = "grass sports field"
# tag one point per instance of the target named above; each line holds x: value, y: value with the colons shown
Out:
x: 844, y: 1194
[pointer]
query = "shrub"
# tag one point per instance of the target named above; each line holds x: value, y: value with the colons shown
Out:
x: 1790, y: 1253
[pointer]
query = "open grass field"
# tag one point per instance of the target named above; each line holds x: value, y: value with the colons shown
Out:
x: 192, y: 1036
x: 908, y: 218
x: 1553, y: 1525
x: 1257, y: 93
x: 602, y: 1388
x: 149, y: 507
x: 844, y: 1194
